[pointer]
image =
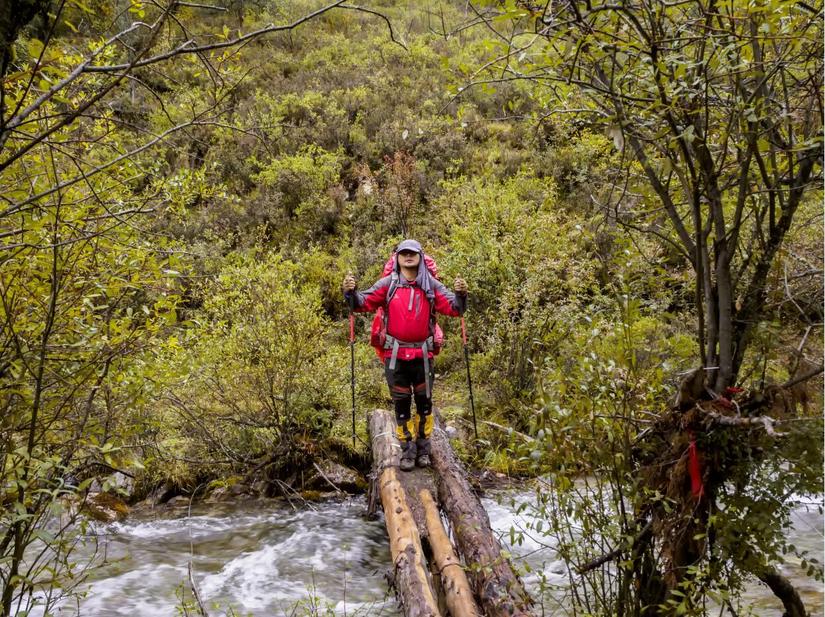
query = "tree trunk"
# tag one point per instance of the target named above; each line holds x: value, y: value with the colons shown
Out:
x: 411, y: 580
x: 410, y: 576
x: 497, y: 587
x: 784, y: 590
x: 755, y: 294
x: 453, y: 579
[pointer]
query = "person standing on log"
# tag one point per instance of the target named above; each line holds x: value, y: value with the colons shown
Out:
x: 410, y: 297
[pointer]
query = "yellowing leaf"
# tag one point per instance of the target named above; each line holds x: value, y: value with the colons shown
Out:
x: 35, y: 48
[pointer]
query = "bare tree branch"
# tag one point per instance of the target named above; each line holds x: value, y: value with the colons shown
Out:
x: 381, y: 15
x: 190, y: 47
x: 766, y: 422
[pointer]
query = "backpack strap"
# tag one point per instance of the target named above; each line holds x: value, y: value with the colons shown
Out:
x: 394, y: 344
x: 390, y: 294
x: 426, y: 356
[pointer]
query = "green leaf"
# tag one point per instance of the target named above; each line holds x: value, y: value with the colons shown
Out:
x: 35, y: 48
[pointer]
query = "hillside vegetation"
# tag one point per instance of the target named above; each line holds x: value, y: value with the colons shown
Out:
x: 181, y: 202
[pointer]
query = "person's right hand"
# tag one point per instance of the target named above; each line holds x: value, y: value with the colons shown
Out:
x: 349, y: 283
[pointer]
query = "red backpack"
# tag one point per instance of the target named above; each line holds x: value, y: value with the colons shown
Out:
x: 378, y: 332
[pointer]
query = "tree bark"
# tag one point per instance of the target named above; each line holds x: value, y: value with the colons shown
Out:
x: 411, y: 580
x: 453, y: 579
x: 386, y: 451
x: 756, y: 292
x: 497, y: 587
x: 784, y: 590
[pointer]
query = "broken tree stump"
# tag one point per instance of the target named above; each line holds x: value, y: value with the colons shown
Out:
x: 412, y: 582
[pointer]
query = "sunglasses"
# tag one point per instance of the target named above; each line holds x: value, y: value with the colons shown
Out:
x: 407, y: 253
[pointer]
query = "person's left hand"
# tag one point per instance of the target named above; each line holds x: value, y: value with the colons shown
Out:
x: 460, y: 286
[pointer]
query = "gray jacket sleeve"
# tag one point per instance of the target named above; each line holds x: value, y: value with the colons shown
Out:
x: 370, y: 299
x: 448, y: 303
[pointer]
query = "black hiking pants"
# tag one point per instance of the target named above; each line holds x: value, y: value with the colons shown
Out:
x: 406, y: 383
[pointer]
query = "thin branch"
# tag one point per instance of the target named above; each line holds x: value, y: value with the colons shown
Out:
x: 355, y: 7
x: 189, y: 46
x: 765, y: 421
x: 195, y: 5
x: 509, y: 430
x: 324, y: 476
x: 71, y: 116
x: 126, y: 155
x: 804, y: 377
x: 617, y: 552
x: 17, y: 120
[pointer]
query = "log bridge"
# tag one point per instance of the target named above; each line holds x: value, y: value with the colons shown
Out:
x: 432, y: 576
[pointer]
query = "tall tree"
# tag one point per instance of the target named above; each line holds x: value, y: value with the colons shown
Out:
x: 716, y: 106
x: 718, y: 103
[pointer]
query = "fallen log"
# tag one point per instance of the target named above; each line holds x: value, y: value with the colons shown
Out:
x: 457, y: 591
x: 412, y: 584
x: 496, y: 586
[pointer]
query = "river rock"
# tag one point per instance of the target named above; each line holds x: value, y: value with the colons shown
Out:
x: 558, y: 567
x: 344, y: 478
x: 222, y: 494
x: 260, y: 488
x: 105, y: 507
x: 122, y: 483
x: 312, y: 495
x: 178, y: 501
x: 157, y: 497
x: 218, y: 495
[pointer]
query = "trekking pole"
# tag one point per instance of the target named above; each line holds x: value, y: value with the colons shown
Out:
x: 351, y: 302
x: 469, y: 379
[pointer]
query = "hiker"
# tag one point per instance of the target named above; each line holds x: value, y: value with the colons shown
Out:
x: 410, y: 296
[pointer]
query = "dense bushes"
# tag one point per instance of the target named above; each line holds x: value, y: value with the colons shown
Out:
x: 260, y: 372
x: 525, y: 286
x: 328, y: 144
x: 210, y: 341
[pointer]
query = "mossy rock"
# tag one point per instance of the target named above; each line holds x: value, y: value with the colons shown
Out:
x: 342, y: 450
x: 312, y: 495
x: 105, y: 508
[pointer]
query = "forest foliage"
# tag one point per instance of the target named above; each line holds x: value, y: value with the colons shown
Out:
x: 183, y: 190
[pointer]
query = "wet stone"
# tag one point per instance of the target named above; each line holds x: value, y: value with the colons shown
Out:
x: 105, y: 507
x: 332, y: 473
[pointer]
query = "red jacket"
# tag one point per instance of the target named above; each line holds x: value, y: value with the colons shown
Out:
x: 408, y: 311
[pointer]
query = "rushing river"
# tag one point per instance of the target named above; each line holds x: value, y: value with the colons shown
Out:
x: 264, y: 559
